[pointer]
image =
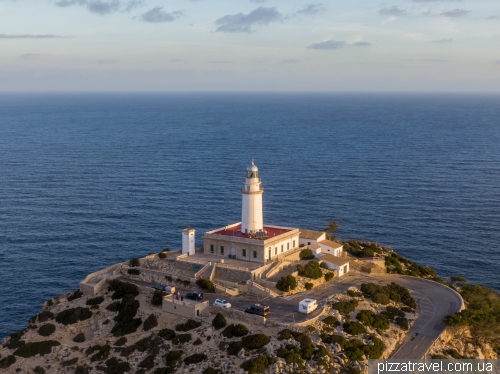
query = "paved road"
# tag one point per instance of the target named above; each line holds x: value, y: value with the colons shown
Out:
x: 434, y: 302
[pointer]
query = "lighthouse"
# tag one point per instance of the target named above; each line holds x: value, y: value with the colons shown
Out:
x: 252, y: 219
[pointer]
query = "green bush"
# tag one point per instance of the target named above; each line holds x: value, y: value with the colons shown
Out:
x: 71, y: 362
x: 219, y: 321
x: 47, y: 329
x: 122, y: 289
x: 190, y: 324
x: 366, y: 317
x: 354, y: 354
x: 258, y: 364
x: 157, y: 298
x: 172, y: 357
x: 328, y: 276
x: 306, y: 254
x: 353, y: 293
x: 134, y: 272
x: 75, y: 295
x: 311, y: 270
x: 255, y: 341
x: 375, y: 350
x: 234, y: 348
x: 354, y: 328
x: 101, y: 352
x: 181, y: 339
x: 198, y: 342
x: 115, y: 366
x: 331, y: 321
x: 323, y: 265
x: 294, y: 358
x: 150, y: 322
x: 287, y: 283
x: 308, y: 285
x: 284, y: 334
x: 36, y: 348
x: 82, y: 370
x: 332, y: 339
x: 7, y: 361
x: 167, y: 334
x: 45, y: 316
x: 121, y: 341
x: 393, y: 291
x: 392, y: 312
x: 206, y: 284
x: 402, y: 322
x: 195, y: 359
x: 168, y: 278
x: 235, y: 330
x: 148, y: 362
x: 162, y: 255
x: 15, y: 340
x: 39, y: 370
x: 79, y: 338
x: 95, y: 301
x: 345, y: 307
x: 306, y: 345
x: 211, y: 370
x: 381, y: 298
x: 73, y: 315
x: 134, y: 263
x: 381, y: 322
x: 125, y: 321
x: 113, y: 307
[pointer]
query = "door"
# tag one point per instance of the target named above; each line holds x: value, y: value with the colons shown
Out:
x: 269, y: 254
x: 345, y: 269
x: 233, y: 252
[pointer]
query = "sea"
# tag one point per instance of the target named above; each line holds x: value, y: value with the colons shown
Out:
x: 88, y: 180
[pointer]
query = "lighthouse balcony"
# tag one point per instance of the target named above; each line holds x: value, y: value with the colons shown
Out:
x: 249, y: 192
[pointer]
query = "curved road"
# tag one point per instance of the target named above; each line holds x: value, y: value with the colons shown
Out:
x: 434, y: 302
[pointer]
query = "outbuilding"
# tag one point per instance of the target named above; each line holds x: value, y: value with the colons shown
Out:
x: 336, y: 263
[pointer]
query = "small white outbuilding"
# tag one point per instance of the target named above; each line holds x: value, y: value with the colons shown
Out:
x: 336, y: 263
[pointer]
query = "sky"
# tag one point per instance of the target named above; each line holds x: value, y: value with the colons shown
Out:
x: 250, y: 45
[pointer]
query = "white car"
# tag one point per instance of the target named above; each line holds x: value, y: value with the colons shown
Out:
x: 223, y: 303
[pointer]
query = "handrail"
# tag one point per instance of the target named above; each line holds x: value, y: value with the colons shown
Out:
x: 198, y: 273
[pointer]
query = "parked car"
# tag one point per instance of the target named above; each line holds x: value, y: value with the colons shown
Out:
x: 308, y: 306
x: 223, y: 303
x: 260, y: 310
x: 194, y: 296
x: 158, y: 287
x: 170, y: 289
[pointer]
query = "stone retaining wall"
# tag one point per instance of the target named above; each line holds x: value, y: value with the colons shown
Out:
x: 235, y: 315
x: 232, y: 273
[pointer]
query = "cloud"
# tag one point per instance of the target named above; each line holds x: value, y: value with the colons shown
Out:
x: 30, y: 56
x: 493, y: 17
x: 455, y: 13
x: 497, y: 62
x: 243, y: 22
x: 178, y: 60
x: 107, y: 61
x: 442, y: 41
x: 289, y: 61
x: 335, y: 44
x: 393, y: 11
x: 28, y: 36
x: 158, y: 15
x: 311, y: 9
x: 221, y: 62
x: 102, y: 6
x: 434, y: 60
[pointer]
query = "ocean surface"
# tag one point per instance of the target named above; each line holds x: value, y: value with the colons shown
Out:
x: 88, y: 180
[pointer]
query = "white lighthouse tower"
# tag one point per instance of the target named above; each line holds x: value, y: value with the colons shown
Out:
x: 252, y: 219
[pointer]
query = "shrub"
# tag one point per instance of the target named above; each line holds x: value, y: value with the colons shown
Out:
x: 380, y: 322
x: 101, y: 352
x: 328, y: 276
x: 148, y: 363
x: 308, y: 286
x: 39, y: 370
x: 82, y: 370
x: 157, y: 298
x: 113, y: 307
x: 206, y: 284
x: 195, y: 359
x: 306, y: 254
x: 167, y: 334
x: 366, y: 317
x: 235, y: 330
x: 172, y: 357
x: 134, y: 263
x: 73, y: 315
x: 15, y: 340
x: 125, y: 321
x: 381, y: 298
x: 258, y: 364
x: 168, y: 278
x: 331, y: 321
x: 71, y: 362
x: 75, y: 295
x: 162, y: 255
x: 284, y: 334
x: 311, y: 270
x: 354, y: 354
x: 79, y: 338
x: 47, y: 329
x: 36, y: 348
x: 7, y: 361
x: 287, y: 283
x: 150, y: 322
x: 45, y: 316
x: 392, y: 312
x: 189, y: 325
x: 95, y: 301
x: 332, y: 339
x: 376, y: 350
x: 402, y: 322
x: 354, y: 328
x: 345, y: 307
x: 181, y: 339
x: 134, y: 272
x: 121, y: 341
x: 353, y: 293
x: 255, y: 341
x: 115, y: 366
x: 393, y: 291
x: 294, y: 358
x: 211, y: 370
x: 323, y: 265
x: 198, y: 342
x: 219, y: 321
x: 122, y: 289
x: 234, y: 348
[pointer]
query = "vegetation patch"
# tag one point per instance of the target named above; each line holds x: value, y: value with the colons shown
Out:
x: 122, y: 289
x: 116, y: 366
x: 211, y: 370
x: 134, y: 271
x: 392, y: 291
x: 181, y: 339
x: 308, y: 285
x: 157, y: 298
x: 150, y: 322
x: 47, y: 329
x: 73, y: 315
x: 71, y: 362
x: 329, y: 276
x: 190, y: 324
x: 75, y: 295
x: 36, y: 348
x: 287, y: 283
x: 284, y: 334
x: 195, y: 359
x: 362, y: 249
x: 95, y: 301
x: 113, y: 307
x: 134, y: 263
x: 148, y: 363
x: 258, y: 364
x: 39, y: 370
x: 125, y: 321
x: 206, y: 284
x: 354, y: 328
x: 101, y: 352
x: 15, y: 340
x: 198, y: 342
x: 45, y: 316
x: 311, y: 270
x: 306, y: 254
x: 345, y: 307
x: 219, y: 321
x: 121, y: 341
x: 235, y: 330
x: 255, y: 341
x: 331, y: 321
x: 167, y: 334
x: 79, y: 338
x: 7, y: 361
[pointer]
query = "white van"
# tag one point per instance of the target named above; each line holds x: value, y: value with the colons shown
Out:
x: 308, y: 306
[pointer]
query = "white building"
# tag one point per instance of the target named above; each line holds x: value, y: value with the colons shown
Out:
x: 313, y: 239
x: 336, y: 263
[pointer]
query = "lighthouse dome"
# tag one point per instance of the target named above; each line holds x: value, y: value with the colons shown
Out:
x: 252, y: 171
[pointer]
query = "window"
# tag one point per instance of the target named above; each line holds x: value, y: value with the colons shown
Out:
x: 294, y: 244
x: 308, y: 243
x: 221, y: 249
x: 287, y: 246
x: 281, y: 248
x: 275, y: 251
x: 254, y: 254
x: 244, y: 253
x: 211, y: 248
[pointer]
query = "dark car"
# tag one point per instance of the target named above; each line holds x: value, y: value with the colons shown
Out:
x: 194, y: 296
x: 260, y: 310
x: 158, y: 287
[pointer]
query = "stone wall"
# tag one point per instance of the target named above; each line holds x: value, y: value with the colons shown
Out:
x: 186, y: 308
x: 226, y: 272
x: 233, y: 314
